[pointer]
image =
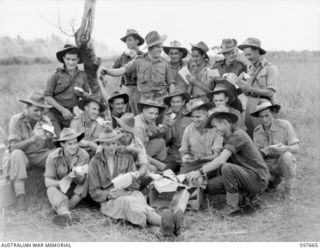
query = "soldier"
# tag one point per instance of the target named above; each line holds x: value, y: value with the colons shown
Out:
x: 65, y: 87
x: 129, y: 80
x: 86, y: 122
x: 262, y: 82
x: 176, y: 53
x: 154, y: 77
x: 66, y: 176
x: 29, y: 143
x: 278, y: 143
x: 175, y: 123
x: 117, y: 103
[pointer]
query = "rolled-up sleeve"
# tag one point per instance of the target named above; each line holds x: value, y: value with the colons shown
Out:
x: 50, y: 169
x: 272, y: 78
x: 51, y: 85
x: 95, y: 190
x: 235, y: 143
x: 169, y: 75
x: 15, y: 134
x: 185, y: 142
x: 131, y: 66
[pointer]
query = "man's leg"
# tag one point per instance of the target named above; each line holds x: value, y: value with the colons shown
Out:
x: 251, y: 122
x: 287, y: 166
x: 157, y: 149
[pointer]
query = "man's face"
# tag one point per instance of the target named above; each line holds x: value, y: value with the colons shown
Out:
x: 71, y: 61
x: 150, y: 114
x: 70, y: 147
x: 231, y: 55
x: 110, y: 147
x: 34, y: 112
x: 197, y: 57
x: 252, y: 55
x: 126, y: 138
x: 156, y: 51
x: 118, y: 105
x: 220, y: 99
x: 177, y: 102
x: 92, y: 110
x: 132, y: 42
x: 221, y: 125
x: 175, y: 55
x: 266, y: 117
x: 199, y: 117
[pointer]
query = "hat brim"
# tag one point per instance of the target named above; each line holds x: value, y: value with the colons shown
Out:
x: 123, y: 95
x: 207, y: 105
x: 182, y: 49
x: 234, y: 118
x: 244, y: 46
x: 82, y: 103
x: 223, y: 51
x: 159, y: 41
x: 79, y: 136
x: 124, y: 125
x: 275, y: 107
x: 62, y: 52
x: 142, y: 105
x: 184, y: 95
x: 141, y: 40
x: 107, y: 140
x: 25, y: 101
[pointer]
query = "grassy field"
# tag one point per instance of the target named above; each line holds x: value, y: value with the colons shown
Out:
x: 299, y: 96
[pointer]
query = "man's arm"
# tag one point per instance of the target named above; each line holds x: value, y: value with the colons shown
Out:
x: 216, y: 163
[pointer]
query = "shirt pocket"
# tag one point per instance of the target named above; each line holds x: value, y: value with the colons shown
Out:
x: 158, y: 73
x: 62, y: 84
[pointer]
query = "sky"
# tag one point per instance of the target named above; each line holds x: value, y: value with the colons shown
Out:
x: 280, y: 25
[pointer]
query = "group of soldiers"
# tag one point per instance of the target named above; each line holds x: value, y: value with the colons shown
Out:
x: 220, y: 131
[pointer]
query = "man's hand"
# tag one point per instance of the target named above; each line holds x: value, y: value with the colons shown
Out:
x: 187, y: 158
x: 191, y: 79
x: 115, y: 193
x: 66, y: 114
x: 39, y: 135
x: 193, y: 176
x: 93, y: 146
x: 131, y: 53
x: 279, y: 149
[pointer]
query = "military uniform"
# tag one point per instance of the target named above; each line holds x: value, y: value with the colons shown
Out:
x: 237, y: 67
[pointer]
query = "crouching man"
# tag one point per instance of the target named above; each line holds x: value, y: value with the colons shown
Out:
x: 246, y: 172
x: 65, y: 176
x: 30, y: 144
x: 126, y: 203
x: 278, y: 143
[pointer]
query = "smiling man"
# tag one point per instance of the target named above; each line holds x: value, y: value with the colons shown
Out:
x: 65, y: 87
x: 118, y: 106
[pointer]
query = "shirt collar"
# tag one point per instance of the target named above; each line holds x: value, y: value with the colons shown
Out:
x: 152, y: 60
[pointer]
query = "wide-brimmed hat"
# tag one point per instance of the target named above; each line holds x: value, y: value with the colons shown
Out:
x: 109, y: 135
x: 202, y: 46
x: 119, y: 95
x: 175, y: 45
x: 153, y: 38
x: 252, y: 42
x: 224, y: 86
x: 195, y: 104
x: 67, y: 48
x: 184, y: 95
x: 68, y: 134
x: 228, y: 45
x: 92, y: 98
x: 263, y: 105
x: 37, y: 99
x: 127, y: 122
x: 222, y: 110
x: 134, y: 33
x: 151, y: 103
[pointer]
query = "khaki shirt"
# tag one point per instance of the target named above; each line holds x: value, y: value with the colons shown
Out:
x: 20, y: 130
x: 180, y: 84
x: 245, y: 153
x: 61, y: 85
x: 144, y: 130
x: 175, y: 132
x: 100, y: 176
x: 281, y: 131
x: 152, y: 75
x: 237, y: 67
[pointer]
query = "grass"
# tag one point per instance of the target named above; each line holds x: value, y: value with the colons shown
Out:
x: 299, y: 95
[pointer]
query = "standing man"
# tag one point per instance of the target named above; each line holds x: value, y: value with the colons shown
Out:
x: 230, y: 63
x: 117, y: 103
x: 278, y: 143
x: 65, y: 87
x: 29, y: 143
x: 199, y: 144
x: 154, y: 77
x: 87, y: 123
x: 262, y: 82
x: 66, y: 176
x: 129, y: 80
x: 246, y: 172
x: 175, y: 123
x: 176, y: 54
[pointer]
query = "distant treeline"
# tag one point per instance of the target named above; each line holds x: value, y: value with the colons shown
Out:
x: 42, y: 51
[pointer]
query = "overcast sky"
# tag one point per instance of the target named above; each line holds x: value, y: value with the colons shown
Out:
x: 281, y: 25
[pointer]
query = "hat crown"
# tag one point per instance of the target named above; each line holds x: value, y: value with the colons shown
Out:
x: 220, y: 108
x: 131, y: 31
x: 194, y: 103
x: 228, y: 43
x: 108, y: 134
x: 253, y: 41
x: 152, y: 37
x: 67, y: 133
x: 202, y: 46
x: 175, y: 43
x: 152, y: 102
x: 36, y: 97
x: 128, y: 119
x: 263, y: 104
x: 68, y: 46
